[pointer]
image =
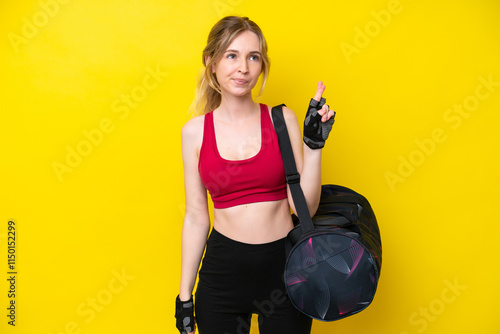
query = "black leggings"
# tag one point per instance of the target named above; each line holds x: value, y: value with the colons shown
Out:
x: 237, y: 280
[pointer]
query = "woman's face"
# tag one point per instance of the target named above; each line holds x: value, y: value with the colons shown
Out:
x: 241, y: 65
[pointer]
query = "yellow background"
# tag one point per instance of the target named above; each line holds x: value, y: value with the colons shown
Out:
x: 67, y: 65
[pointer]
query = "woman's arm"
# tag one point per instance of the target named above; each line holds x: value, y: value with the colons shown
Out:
x: 196, y: 223
x: 308, y: 160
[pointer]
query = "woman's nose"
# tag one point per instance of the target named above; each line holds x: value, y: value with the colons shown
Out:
x: 243, y: 66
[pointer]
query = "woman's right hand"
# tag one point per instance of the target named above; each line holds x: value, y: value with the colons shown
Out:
x: 196, y: 223
x: 184, y: 315
x: 319, y: 120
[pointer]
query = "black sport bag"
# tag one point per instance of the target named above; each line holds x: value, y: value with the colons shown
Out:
x: 334, y: 259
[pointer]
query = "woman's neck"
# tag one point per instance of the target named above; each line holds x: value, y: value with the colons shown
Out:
x: 237, y: 108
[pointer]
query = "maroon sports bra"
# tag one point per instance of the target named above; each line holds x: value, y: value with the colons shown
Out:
x: 260, y: 178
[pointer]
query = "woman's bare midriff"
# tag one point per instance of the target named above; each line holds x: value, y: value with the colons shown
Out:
x: 254, y: 223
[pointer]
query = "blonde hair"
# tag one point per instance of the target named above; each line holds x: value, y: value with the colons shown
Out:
x: 208, y: 92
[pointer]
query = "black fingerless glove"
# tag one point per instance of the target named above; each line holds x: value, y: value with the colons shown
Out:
x: 184, y: 313
x: 316, y: 131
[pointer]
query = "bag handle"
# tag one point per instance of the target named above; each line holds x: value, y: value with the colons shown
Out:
x: 292, y: 176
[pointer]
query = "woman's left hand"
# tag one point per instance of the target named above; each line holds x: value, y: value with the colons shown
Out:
x: 319, y: 120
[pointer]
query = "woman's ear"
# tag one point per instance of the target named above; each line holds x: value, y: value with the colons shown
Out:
x: 207, y: 59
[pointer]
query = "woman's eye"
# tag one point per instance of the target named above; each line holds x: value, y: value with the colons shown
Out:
x: 231, y: 56
x: 256, y: 58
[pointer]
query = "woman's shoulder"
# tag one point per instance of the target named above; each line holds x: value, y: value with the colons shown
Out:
x: 193, y: 127
x: 288, y: 113
x: 192, y: 133
x: 292, y: 122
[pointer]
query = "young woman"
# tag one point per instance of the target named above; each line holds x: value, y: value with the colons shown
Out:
x: 232, y: 151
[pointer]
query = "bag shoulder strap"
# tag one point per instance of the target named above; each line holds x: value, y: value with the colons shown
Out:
x: 292, y: 176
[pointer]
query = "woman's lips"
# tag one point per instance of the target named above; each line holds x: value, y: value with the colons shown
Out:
x: 240, y: 81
